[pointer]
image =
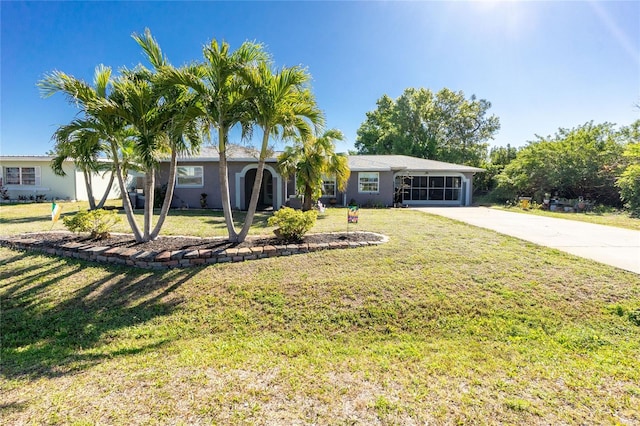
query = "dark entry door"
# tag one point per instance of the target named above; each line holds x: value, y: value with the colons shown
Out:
x: 265, y: 199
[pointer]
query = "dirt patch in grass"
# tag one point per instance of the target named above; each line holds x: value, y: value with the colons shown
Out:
x: 174, y: 243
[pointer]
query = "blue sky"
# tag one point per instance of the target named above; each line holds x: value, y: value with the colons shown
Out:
x: 542, y: 65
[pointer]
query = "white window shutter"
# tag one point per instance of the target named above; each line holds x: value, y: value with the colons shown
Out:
x: 37, y: 171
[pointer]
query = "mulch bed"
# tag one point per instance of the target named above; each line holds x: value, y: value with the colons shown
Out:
x: 175, y: 243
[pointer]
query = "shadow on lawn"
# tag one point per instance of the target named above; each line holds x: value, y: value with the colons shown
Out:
x: 43, y: 337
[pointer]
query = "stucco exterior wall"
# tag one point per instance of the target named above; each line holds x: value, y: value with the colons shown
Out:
x: 237, y: 170
x: 54, y: 187
x: 47, y: 184
x: 383, y: 197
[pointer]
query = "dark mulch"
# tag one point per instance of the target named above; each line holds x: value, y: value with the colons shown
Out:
x: 171, y: 243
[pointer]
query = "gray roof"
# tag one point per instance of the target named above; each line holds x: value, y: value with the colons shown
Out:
x: 371, y: 163
x: 385, y: 163
x: 357, y: 163
x: 234, y: 153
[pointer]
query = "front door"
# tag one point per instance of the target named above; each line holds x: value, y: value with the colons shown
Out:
x: 265, y: 199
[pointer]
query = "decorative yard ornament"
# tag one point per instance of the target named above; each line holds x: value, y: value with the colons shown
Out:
x: 352, y: 214
x: 55, y: 212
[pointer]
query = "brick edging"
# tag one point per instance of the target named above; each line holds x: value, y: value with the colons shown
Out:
x: 94, y: 252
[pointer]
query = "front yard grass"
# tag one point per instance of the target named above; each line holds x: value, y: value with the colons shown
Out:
x: 444, y: 324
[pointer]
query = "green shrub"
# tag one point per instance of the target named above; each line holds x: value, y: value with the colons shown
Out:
x: 97, y: 222
x: 292, y: 224
x: 629, y: 185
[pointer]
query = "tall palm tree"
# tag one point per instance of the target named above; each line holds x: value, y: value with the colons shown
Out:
x: 223, y: 94
x: 107, y: 126
x: 312, y: 159
x: 82, y: 145
x: 165, y: 120
x: 282, y: 106
x: 184, y: 128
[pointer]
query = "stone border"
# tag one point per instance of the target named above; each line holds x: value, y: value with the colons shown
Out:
x: 94, y: 252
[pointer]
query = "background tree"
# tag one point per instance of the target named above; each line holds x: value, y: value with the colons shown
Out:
x: 583, y: 161
x: 444, y: 126
x: 499, y: 157
x: 311, y: 160
x: 629, y: 181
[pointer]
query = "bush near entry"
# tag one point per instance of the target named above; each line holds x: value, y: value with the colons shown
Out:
x: 292, y: 224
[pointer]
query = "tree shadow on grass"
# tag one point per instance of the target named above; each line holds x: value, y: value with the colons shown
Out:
x: 259, y: 220
x: 53, y: 326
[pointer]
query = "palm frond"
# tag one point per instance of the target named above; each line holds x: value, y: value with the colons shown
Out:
x: 151, y: 48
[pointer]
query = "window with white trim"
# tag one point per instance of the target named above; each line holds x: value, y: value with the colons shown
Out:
x: 29, y: 176
x: 190, y: 177
x: 368, y: 182
x: 328, y: 187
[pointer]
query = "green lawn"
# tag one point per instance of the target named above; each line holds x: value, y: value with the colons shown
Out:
x: 444, y: 324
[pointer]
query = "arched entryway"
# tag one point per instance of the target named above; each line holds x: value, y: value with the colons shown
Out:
x: 265, y: 199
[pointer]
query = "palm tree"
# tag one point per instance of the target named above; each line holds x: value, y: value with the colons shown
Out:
x: 184, y: 128
x: 84, y: 148
x: 223, y: 94
x: 165, y: 120
x: 73, y: 141
x: 108, y: 127
x: 282, y: 106
x: 312, y: 159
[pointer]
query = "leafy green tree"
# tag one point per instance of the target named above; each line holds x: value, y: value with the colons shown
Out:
x: 499, y: 157
x: 583, y: 161
x: 444, y: 126
x: 312, y: 159
x: 107, y: 127
x: 629, y: 181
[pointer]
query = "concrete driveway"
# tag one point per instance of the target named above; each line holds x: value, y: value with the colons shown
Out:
x: 612, y: 246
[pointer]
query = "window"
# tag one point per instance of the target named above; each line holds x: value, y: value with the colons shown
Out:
x: 22, y: 176
x: 368, y: 182
x: 190, y: 177
x: 12, y: 175
x: 328, y: 187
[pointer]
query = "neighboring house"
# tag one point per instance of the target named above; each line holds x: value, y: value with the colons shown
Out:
x: 376, y: 180
x: 31, y: 177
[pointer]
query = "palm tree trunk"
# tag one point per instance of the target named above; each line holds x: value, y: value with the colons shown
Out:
x: 255, y: 192
x: 149, y: 183
x: 308, y: 194
x: 126, y: 202
x: 224, y: 186
x: 87, y: 183
x: 166, y: 204
x: 107, y: 192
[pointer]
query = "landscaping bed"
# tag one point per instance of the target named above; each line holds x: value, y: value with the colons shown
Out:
x: 182, y: 251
